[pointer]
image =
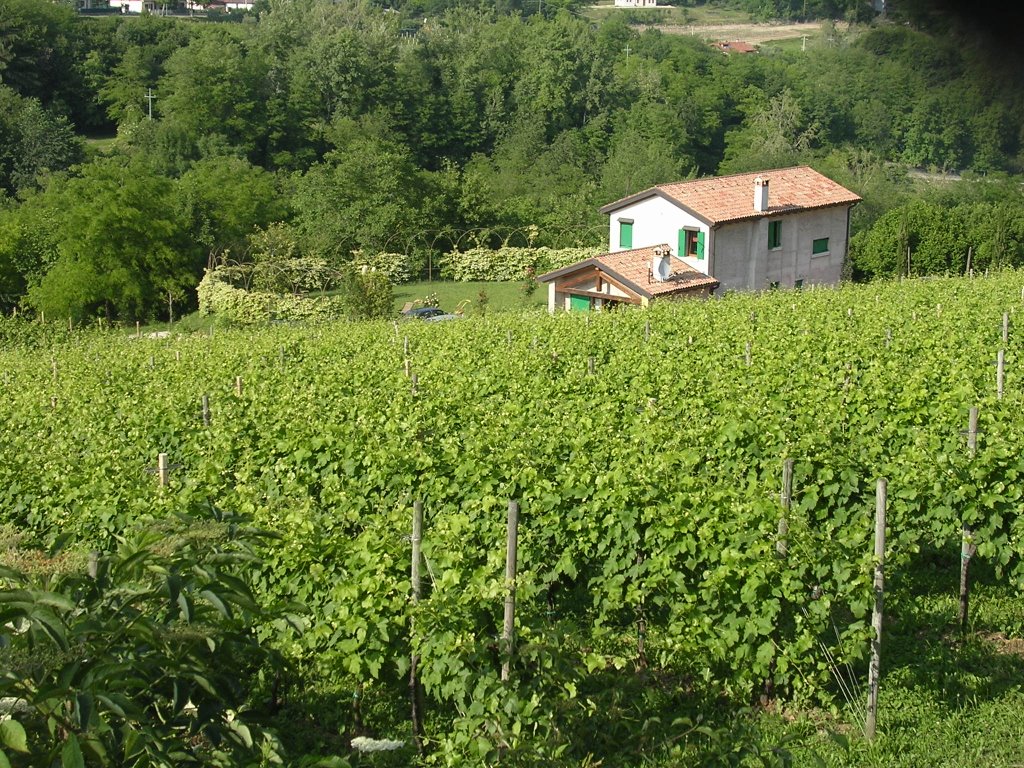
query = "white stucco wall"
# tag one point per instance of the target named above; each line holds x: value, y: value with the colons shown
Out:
x: 742, y: 261
x: 656, y: 221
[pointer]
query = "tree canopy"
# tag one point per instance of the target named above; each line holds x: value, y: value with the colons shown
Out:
x: 359, y: 128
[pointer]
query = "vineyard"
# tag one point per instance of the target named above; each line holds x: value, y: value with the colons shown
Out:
x: 660, y: 581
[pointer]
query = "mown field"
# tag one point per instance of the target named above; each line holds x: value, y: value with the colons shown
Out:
x: 657, y: 620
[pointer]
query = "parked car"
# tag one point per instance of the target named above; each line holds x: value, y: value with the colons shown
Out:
x: 442, y: 317
x: 423, y: 313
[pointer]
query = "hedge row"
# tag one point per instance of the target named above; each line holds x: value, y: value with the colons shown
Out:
x: 509, y: 263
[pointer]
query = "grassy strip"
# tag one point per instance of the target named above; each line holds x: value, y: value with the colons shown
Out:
x: 475, y: 298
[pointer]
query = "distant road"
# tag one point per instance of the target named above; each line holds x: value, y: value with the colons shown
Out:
x: 749, y: 33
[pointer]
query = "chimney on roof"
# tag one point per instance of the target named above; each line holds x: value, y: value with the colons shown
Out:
x: 661, y: 264
x: 760, y: 194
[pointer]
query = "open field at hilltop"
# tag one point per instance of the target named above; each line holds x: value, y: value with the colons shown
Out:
x: 748, y: 32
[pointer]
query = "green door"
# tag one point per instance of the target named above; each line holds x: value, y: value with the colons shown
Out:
x: 579, y: 303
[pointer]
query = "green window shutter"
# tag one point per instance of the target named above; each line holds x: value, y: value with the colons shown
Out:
x: 700, y: 244
x: 625, y: 234
x: 681, y: 245
x: 579, y: 303
x: 820, y: 245
x: 774, y: 234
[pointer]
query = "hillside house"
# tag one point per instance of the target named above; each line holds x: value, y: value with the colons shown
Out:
x: 750, y: 231
x: 735, y: 46
x: 635, y: 276
x: 636, y: 3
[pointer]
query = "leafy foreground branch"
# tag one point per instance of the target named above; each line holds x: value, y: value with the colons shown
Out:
x: 143, y: 656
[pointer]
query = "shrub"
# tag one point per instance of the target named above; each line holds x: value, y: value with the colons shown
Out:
x: 369, y: 295
x: 397, y: 267
x: 218, y: 297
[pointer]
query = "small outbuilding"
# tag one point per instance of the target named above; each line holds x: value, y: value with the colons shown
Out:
x: 635, y: 276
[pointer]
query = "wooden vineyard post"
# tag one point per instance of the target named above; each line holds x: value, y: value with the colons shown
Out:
x: 238, y: 385
x: 782, y: 540
x: 647, y: 330
x: 881, y: 496
x: 206, y: 410
x: 415, y: 691
x: 177, y: 355
x: 967, y: 546
x: 641, y: 621
x: 511, y: 551
x: 508, y: 337
x: 748, y: 353
x: 1000, y: 373
x: 590, y: 365
x: 1006, y: 328
x: 138, y: 330
x: 888, y: 336
x: 406, y: 366
x: 415, y: 384
x: 162, y: 470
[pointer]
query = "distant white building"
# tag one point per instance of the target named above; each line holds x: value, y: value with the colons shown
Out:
x: 636, y: 3
x: 135, y: 6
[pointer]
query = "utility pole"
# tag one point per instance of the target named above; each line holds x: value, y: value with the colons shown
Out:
x: 149, y: 98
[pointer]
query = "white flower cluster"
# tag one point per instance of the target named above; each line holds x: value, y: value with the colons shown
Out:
x: 366, y: 744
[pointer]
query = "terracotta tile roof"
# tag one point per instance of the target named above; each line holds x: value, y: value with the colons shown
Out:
x: 719, y: 199
x: 736, y: 46
x: 634, y: 269
x: 635, y: 266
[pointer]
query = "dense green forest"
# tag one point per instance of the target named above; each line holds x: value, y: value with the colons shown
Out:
x: 328, y: 128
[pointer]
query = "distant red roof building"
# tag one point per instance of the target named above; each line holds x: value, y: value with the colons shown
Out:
x: 736, y: 46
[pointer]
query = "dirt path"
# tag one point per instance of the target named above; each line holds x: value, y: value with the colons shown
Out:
x: 749, y: 33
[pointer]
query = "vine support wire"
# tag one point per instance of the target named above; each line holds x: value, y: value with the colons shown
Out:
x: 881, y: 497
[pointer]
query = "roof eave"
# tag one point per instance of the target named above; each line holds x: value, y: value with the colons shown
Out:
x: 594, y: 261
x: 654, y: 192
